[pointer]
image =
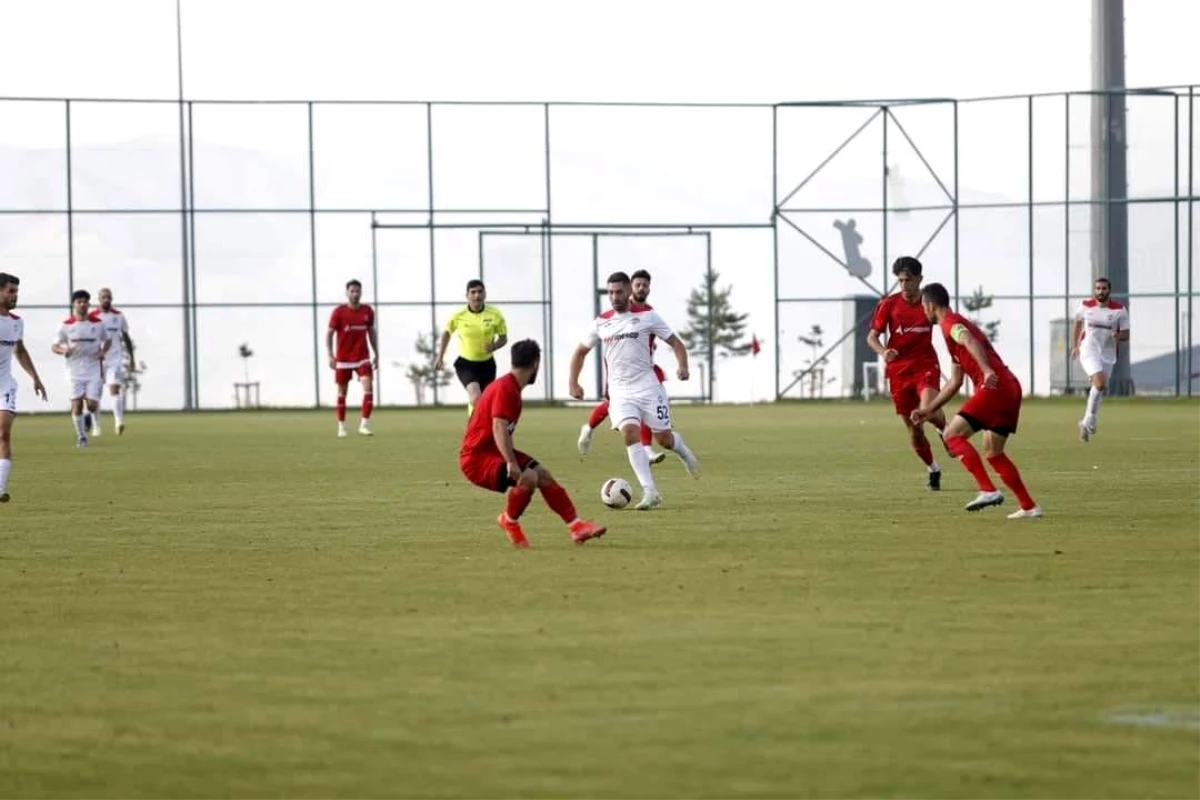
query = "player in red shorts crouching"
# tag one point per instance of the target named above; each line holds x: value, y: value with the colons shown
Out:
x: 995, y: 407
x: 913, y: 371
x: 489, y: 460
x: 640, y: 282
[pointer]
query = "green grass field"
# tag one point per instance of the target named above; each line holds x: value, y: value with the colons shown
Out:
x: 243, y: 605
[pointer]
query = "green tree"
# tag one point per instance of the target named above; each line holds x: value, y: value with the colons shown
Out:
x: 246, y: 353
x: 976, y: 303
x: 714, y: 329
x: 815, y: 371
x: 421, y: 373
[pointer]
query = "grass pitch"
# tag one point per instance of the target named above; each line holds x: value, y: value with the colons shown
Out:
x: 243, y: 605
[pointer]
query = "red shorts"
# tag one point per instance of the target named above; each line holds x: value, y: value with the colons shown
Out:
x: 343, y: 376
x: 997, y: 410
x: 489, y: 471
x: 906, y: 390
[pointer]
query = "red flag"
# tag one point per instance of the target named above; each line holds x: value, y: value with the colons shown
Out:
x: 755, y: 347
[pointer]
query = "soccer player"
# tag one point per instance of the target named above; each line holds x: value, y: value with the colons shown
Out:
x: 1100, y: 323
x: 640, y: 282
x: 116, y: 324
x: 12, y: 342
x: 995, y: 407
x: 635, y: 395
x: 83, y: 342
x: 481, y: 332
x: 913, y: 372
x: 353, y: 324
x: 488, y: 458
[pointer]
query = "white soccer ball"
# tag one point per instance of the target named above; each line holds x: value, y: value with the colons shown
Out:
x: 616, y: 493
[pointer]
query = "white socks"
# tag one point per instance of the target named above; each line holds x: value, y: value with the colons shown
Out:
x: 118, y: 409
x: 5, y: 467
x: 680, y: 448
x: 639, y: 459
x: 1093, y: 404
x: 77, y: 421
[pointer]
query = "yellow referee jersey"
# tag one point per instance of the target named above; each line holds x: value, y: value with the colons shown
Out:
x: 476, y: 329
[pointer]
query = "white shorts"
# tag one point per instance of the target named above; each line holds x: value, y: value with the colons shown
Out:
x: 8, y: 396
x: 1093, y: 364
x: 88, y: 387
x: 114, y: 373
x: 649, y: 406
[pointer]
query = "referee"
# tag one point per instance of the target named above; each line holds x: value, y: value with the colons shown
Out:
x: 481, y: 331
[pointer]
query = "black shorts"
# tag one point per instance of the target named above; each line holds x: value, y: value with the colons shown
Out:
x: 481, y: 372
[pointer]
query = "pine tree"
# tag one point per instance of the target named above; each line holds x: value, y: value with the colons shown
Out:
x: 714, y: 330
x: 977, y: 302
x: 421, y: 374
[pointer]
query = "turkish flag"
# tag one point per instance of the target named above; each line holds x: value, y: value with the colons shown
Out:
x: 755, y: 347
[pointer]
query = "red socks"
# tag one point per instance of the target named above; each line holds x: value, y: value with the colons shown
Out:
x: 368, y: 404
x: 924, y: 451
x: 341, y: 408
x: 961, y: 449
x: 599, y: 413
x: 517, y: 502
x: 1011, y: 476
x: 560, y: 502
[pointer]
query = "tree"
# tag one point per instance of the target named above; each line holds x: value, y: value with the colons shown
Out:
x: 815, y: 371
x: 976, y: 303
x: 421, y: 373
x: 714, y: 329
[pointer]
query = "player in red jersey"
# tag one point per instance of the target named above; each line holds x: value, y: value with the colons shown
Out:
x: 995, y: 407
x: 353, y: 323
x: 489, y: 459
x: 641, y: 293
x: 913, y: 371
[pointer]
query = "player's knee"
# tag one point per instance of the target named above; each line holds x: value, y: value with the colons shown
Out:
x: 543, y: 476
x: 665, y: 439
x: 528, y: 479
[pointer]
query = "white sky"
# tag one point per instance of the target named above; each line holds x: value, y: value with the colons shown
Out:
x: 697, y: 50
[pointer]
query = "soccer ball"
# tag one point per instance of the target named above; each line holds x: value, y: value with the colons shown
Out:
x: 616, y: 493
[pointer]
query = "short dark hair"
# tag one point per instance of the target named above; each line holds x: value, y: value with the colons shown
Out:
x: 81, y: 294
x: 907, y: 264
x: 7, y: 280
x: 474, y: 283
x: 936, y: 293
x: 641, y: 273
x: 618, y: 277
x: 354, y: 282
x: 525, y: 353
x: 1103, y: 280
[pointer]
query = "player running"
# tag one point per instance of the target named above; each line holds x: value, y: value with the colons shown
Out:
x: 640, y: 282
x: 83, y: 342
x: 12, y: 342
x: 635, y: 395
x: 116, y: 324
x: 913, y: 371
x: 488, y: 458
x: 481, y: 332
x: 995, y: 407
x: 353, y: 323
x: 1100, y: 323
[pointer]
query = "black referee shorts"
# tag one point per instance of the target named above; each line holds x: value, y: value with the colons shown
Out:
x: 481, y: 372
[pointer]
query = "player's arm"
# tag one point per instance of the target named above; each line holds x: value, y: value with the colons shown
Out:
x: 106, y: 342
x: 577, y: 359
x: 502, y: 334
x: 26, y: 362
x: 504, y: 443
x: 1121, y: 334
x: 948, y: 391
x: 681, y: 355
x: 329, y: 334
x: 960, y: 334
x: 443, y: 343
x: 878, y: 326
x: 62, y: 345
x: 373, y: 340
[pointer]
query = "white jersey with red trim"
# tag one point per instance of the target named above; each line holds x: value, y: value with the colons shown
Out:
x: 1100, y: 322
x: 116, y: 324
x: 628, y: 347
x: 86, y: 337
x: 12, y: 330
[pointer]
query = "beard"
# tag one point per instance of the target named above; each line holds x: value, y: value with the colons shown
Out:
x: 532, y: 377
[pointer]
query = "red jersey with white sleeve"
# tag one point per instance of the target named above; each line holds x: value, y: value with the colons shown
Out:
x: 1101, y: 321
x: 500, y: 400
x: 909, y: 333
x: 628, y: 342
x: 86, y: 337
x: 352, y: 326
x: 953, y: 326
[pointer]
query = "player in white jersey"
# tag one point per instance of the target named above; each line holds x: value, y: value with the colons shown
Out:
x: 1100, y: 325
x: 83, y: 343
x: 635, y: 395
x: 116, y: 324
x: 12, y: 336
